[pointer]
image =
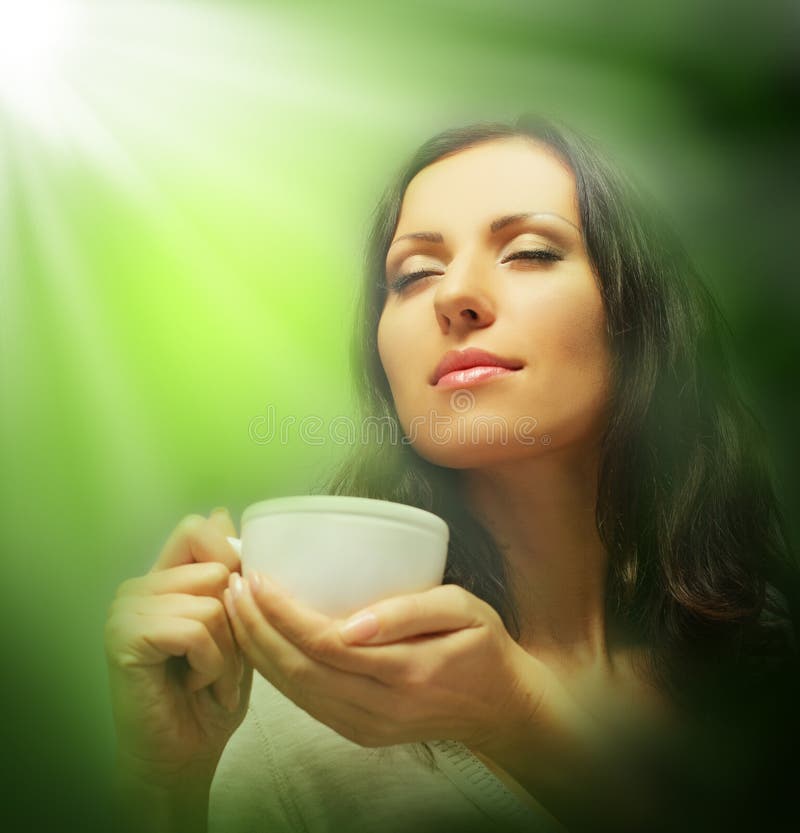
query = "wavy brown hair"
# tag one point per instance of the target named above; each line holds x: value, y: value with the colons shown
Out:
x: 701, y: 571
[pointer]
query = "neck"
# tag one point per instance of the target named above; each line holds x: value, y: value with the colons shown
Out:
x: 541, y: 513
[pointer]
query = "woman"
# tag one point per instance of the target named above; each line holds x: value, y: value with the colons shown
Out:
x: 617, y: 563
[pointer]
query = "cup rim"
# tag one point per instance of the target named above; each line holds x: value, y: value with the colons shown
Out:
x: 350, y: 505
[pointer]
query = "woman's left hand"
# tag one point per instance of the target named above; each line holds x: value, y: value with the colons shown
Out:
x: 433, y: 665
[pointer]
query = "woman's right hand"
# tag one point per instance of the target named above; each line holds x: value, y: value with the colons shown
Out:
x: 179, y: 683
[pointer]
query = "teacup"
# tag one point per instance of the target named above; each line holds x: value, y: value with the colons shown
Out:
x: 338, y: 554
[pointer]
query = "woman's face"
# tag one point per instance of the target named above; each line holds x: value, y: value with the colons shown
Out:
x: 545, y: 313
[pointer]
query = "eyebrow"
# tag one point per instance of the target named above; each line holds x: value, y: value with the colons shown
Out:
x: 494, y: 227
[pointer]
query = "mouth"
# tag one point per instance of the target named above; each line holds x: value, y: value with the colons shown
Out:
x: 473, y: 375
x: 459, y: 367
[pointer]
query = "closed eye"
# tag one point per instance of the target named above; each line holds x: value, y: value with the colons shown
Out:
x: 546, y: 254
x: 534, y: 254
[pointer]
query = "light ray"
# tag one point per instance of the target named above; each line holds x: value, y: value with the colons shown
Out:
x: 128, y: 450
x: 11, y: 336
x: 239, y: 309
x: 37, y: 37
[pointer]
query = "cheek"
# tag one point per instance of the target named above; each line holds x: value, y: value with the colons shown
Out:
x: 585, y: 341
x: 398, y: 345
x: 389, y: 347
x: 569, y: 336
x: 576, y: 313
x: 381, y: 339
x: 588, y: 353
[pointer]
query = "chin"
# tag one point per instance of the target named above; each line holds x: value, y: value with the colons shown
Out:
x: 464, y: 441
x: 458, y: 455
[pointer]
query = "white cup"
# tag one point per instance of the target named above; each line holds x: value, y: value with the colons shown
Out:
x: 338, y: 554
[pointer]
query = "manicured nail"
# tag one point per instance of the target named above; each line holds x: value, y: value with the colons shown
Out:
x: 360, y: 627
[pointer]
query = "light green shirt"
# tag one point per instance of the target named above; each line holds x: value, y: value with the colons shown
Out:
x: 283, y: 770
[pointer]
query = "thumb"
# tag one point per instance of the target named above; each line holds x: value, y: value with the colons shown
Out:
x: 222, y: 520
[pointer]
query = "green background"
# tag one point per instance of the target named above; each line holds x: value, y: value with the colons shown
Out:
x: 184, y: 201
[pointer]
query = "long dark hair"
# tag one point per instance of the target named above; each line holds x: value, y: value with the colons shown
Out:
x: 701, y: 570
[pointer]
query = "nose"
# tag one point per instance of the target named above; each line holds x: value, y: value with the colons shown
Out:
x: 461, y: 301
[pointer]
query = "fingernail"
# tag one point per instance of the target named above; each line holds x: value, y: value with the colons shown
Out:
x: 221, y: 509
x: 236, y: 585
x: 255, y: 579
x: 360, y: 627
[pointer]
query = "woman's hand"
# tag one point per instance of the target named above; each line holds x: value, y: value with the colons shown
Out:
x: 436, y: 664
x: 179, y: 684
x: 441, y: 665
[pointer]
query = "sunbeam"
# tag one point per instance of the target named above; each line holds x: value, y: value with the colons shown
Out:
x: 114, y: 420
x: 38, y: 38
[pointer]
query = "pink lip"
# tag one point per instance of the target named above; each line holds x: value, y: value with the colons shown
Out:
x: 472, y: 376
x: 461, y: 360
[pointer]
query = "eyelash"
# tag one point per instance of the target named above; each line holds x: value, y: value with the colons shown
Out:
x: 546, y: 254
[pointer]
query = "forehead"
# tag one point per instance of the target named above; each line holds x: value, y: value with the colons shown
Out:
x: 478, y: 184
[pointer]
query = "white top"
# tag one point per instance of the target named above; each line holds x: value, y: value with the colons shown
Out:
x: 283, y: 770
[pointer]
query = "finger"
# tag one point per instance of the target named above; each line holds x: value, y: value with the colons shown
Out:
x: 349, y: 704
x: 221, y: 518
x: 446, y: 607
x: 245, y: 685
x: 316, y: 636
x: 211, y: 613
x: 135, y: 639
x: 201, y: 579
x: 312, y: 633
x: 287, y: 667
x: 196, y: 539
x: 259, y: 648
x: 347, y: 713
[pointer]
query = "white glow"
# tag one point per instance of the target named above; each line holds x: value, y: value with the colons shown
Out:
x: 35, y: 38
